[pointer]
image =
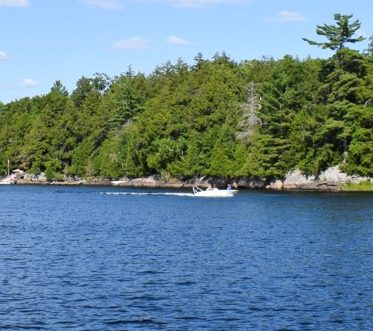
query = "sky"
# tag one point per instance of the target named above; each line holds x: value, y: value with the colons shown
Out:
x: 42, y: 41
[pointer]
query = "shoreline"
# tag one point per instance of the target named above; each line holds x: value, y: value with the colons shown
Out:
x: 331, y: 180
x: 242, y: 184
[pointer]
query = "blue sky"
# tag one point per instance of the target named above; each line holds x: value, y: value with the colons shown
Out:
x: 42, y: 41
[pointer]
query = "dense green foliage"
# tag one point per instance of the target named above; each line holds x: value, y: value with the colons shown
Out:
x: 362, y: 186
x: 258, y: 118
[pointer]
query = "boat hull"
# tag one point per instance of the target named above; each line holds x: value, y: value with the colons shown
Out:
x: 216, y: 193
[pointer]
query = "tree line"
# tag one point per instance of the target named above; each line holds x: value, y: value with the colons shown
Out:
x: 216, y: 117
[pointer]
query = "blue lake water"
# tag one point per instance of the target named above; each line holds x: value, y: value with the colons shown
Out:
x: 75, y: 258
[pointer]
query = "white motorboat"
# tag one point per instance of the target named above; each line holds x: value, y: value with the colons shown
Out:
x: 117, y: 182
x: 213, y: 193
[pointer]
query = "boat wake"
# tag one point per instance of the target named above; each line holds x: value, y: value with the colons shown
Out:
x: 150, y: 193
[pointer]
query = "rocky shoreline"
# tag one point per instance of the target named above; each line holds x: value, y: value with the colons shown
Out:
x: 331, y: 180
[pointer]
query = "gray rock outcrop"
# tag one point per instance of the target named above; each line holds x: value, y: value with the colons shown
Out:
x: 332, y: 179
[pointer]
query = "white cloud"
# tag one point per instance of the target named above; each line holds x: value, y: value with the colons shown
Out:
x: 14, y: 3
x: 3, y: 56
x: 104, y: 4
x: 26, y: 83
x: 29, y: 82
x: 285, y: 16
x: 132, y: 43
x: 177, y: 41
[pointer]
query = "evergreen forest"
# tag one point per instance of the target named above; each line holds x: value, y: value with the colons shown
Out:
x: 215, y: 117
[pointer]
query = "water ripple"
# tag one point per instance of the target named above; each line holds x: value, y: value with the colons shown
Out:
x: 77, y: 259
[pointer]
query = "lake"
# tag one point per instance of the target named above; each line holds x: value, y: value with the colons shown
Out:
x: 78, y: 258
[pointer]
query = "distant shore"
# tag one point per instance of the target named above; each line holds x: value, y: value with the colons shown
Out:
x: 331, y: 180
